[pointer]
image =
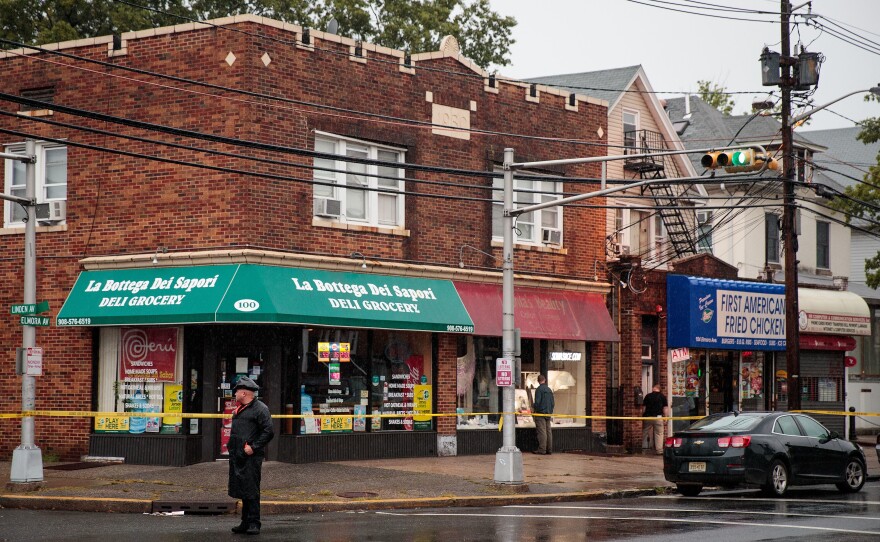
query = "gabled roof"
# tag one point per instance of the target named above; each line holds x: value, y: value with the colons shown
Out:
x: 708, y: 127
x: 611, y: 85
x: 847, y: 159
x: 608, y: 85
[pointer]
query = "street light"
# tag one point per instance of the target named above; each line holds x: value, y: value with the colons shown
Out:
x: 27, y: 460
x: 508, y: 458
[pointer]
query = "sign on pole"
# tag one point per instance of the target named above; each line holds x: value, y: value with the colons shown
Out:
x: 34, y: 361
x: 30, y: 308
x: 39, y: 321
x: 503, y: 372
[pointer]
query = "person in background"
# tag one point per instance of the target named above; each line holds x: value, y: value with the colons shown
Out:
x: 544, y: 405
x: 251, y: 432
x: 655, y: 407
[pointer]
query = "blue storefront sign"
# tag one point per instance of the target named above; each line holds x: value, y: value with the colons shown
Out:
x: 724, y: 314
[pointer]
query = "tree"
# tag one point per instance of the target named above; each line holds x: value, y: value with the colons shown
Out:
x: 716, y: 96
x: 410, y: 25
x: 863, y: 199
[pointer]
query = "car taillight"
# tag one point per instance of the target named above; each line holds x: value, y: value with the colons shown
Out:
x: 741, y: 441
x: 673, y: 442
x: 734, y: 442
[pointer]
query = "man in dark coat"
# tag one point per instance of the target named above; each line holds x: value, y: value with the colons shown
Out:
x: 251, y: 432
x: 544, y: 405
x: 656, y: 405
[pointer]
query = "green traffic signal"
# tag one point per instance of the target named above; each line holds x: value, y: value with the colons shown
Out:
x: 741, y: 158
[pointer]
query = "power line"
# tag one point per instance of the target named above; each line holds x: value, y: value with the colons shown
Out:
x: 714, y: 16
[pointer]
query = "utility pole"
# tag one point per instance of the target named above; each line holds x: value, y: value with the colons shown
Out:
x: 27, y: 459
x: 790, y: 242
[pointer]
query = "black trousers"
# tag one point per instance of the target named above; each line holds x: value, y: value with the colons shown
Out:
x: 250, y: 512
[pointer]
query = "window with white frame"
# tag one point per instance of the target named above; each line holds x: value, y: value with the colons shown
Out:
x: 630, y: 128
x: 823, y: 245
x: 50, y: 178
x: 539, y: 227
x: 354, y: 192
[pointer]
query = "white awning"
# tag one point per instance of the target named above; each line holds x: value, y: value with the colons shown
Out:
x: 833, y: 312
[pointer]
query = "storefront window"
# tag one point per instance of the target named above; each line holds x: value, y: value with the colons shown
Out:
x: 140, y: 370
x: 752, y: 381
x: 348, y: 375
x: 480, y: 400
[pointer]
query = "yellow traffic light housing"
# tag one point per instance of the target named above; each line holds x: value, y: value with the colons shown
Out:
x: 715, y: 160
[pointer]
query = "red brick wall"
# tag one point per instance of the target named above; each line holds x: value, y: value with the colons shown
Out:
x: 121, y: 205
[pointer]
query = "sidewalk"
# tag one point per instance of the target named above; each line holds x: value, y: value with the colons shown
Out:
x: 350, y: 485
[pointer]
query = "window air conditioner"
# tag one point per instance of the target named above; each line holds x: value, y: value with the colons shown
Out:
x: 551, y: 236
x: 51, y: 212
x: 328, y: 207
x: 620, y: 250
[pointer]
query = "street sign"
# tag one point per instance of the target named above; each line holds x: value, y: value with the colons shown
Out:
x: 38, y: 321
x: 30, y: 308
x: 34, y: 361
x: 503, y: 372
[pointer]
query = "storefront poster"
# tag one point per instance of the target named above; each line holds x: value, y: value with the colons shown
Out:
x: 751, y: 378
x: 111, y: 424
x: 339, y: 352
x: 173, y: 403
x: 360, y: 420
x: 335, y: 374
x: 229, y: 406
x: 148, y: 354
x: 422, y: 407
x: 336, y: 424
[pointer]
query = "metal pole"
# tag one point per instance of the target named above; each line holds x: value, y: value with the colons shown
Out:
x: 508, y: 459
x: 792, y: 338
x: 27, y: 460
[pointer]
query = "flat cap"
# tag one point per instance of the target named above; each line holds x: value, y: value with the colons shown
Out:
x: 245, y: 383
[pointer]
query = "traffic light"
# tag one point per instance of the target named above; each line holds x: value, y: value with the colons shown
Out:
x: 749, y: 160
x: 715, y: 160
x: 742, y: 160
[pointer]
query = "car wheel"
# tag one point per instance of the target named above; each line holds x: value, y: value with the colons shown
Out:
x: 777, y: 479
x: 853, y: 476
x: 689, y: 490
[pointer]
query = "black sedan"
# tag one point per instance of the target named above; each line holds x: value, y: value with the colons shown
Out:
x: 770, y: 450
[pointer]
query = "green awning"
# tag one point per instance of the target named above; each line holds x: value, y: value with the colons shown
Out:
x: 247, y: 293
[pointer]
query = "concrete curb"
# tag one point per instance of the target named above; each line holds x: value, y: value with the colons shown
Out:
x: 76, y: 504
x: 143, y: 506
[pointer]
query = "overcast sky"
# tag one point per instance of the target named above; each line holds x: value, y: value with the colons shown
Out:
x: 678, y: 49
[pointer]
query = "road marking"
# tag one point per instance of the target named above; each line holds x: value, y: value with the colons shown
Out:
x: 691, y: 510
x: 689, y: 521
x: 758, y: 499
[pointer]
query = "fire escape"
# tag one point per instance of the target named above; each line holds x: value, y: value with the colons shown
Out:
x: 679, y: 223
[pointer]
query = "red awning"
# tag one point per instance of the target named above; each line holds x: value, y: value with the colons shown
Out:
x: 539, y: 313
x: 824, y: 342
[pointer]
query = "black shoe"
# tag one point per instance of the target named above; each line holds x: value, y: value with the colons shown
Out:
x: 538, y: 453
x: 240, y: 529
x: 253, y: 529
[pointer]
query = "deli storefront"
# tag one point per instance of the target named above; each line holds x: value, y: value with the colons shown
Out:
x: 727, y: 346
x: 373, y: 355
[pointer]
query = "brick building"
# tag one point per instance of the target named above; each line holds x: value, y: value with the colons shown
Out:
x: 246, y: 197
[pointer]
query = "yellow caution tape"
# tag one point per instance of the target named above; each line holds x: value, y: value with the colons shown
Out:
x: 192, y: 415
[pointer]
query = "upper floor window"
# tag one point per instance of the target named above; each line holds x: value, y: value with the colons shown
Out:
x: 823, y: 257
x: 50, y: 178
x: 346, y: 198
x: 771, y: 236
x: 630, y: 127
x: 540, y: 227
x: 704, y: 231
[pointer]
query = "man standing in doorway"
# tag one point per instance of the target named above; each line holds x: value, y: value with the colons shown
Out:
x: 655, y: 407
x: 251, y: 432
x: 544, y: 405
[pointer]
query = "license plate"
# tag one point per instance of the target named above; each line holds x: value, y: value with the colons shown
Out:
x: 697, y: 466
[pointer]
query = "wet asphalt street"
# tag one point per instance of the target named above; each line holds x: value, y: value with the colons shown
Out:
x: 818, y: 513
